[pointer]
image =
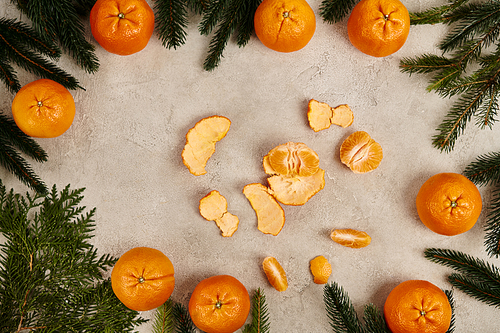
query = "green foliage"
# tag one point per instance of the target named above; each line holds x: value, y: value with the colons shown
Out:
x: 344, y: 319
x: 24, y: 47
x: 184, y: 324
x: 473, y: 276
x: 260, y: 317
x: 485, y: 170
x: 50, y: 275
x: 475, y: 27
x: 13, y: 139
x: 333, y: 11
x: 164, y: 318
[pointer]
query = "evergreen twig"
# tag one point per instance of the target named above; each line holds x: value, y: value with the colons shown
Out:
x: 333, y: 11
x: 49, y: 268
x: 184, y: 324
x: 59, y: 20
x: 164, y: 318
x: 171, y: 22
x: 476, y: 27
x: 13, y: 139
x: 485, y: 170
x: 260, y: 317
x: 473, y: 276
x: 29, y: 50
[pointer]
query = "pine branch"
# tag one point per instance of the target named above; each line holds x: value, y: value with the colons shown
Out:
x: 164, y: 320
x: 485, y: 170
x: 333, y: 11
x: 340, y: 311
x: 59, y: 20
x: 24, y: 47
x: 183, y: 320
x: 374, y: 320
x: 227, y: 16
x: 171, y: 22
x: 449, y: 294
x: 260, y: 317
x: 48, y: 268
x: 436, y: 14
x: 492, y: 226
x: 11, y: 140
x: 473, y: 276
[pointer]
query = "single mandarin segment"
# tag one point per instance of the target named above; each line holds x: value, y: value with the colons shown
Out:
x: 43, y: 109
x: 321, y: 115
x: 122, y: 27
x: 378, y: 27
x: 284, y: 25
x: 295, y: 175
x: 449, y: 203
x: 270, y: 215
x: 417, y: 306
x: 201, y: 140
x: 275, y: 273
x: 353, y: 238
x: 219, y: 304
x: 361, y: 153
x: 320, y: 269
x: 143, y: 278
x: 213, y: 207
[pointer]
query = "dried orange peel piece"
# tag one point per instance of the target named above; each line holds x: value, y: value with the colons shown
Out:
x: 295, y: 173
x: 275, y: 273
x: 350, y: 238
x: 361, y: 153
x: 321, y: 115
x: 213, y: 207
x: 201, y: 140
x: 270, y: 215
x: 320, y: 269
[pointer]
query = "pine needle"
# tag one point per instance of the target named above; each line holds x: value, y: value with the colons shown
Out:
x: 164, y: 318
x: 260, y: 317
x: 340, y: 311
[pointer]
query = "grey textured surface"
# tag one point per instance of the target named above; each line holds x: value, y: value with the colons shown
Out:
x: 125, y: 145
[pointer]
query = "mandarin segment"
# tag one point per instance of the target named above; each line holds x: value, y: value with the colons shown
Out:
x: 213, y: 207
x: 270, y: 215
x: 361, y: 153
x: 201, y: 140
x: 321, y: 115
x: 350, y: 238
x: 293, y: 158
x: 320, y: 269
x: 275, y: 273
x: 417, y: 306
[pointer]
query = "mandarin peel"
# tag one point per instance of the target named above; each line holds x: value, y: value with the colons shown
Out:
x: 294, y: 172
x: 270, y: 215
x: 201, y: 140
x: 321, y: 115
x: 213, y: 207
x: 320, y: 269
x: 350, y: 238
x: 361, y: 153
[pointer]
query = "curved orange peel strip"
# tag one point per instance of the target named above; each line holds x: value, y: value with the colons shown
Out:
x: 350, y: 238
x: 201, y: 140
x: 213, y: 207
x: 270, y: 215
x: 296, y: 191
x: 275, y: 274
x: 321, y: 115
x: 320, y: 269
x: 361, y: 153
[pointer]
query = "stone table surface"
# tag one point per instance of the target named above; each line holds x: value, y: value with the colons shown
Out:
x: 125, y: 145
